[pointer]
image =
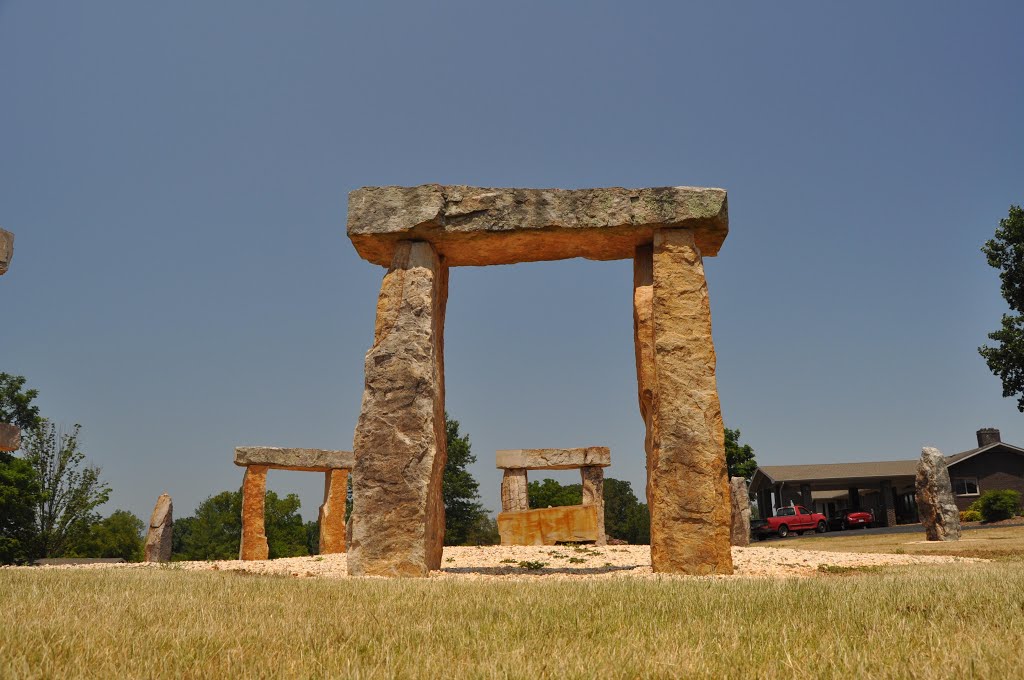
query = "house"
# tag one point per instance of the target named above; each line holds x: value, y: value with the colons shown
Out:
x: 887, y: 487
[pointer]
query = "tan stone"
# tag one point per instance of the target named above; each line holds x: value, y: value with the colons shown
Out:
x: 10, y: 437
x: 514, y: 491
x: 553, y: 459
x: 688, y: 491
x: 398, y: 511
x: 593, y: 494
x: 548, y: 526
x: 479, y: 226
x: 332, y: 512
x: 934, y: 494
x: 6, y: 250
x: 740, y: 497
x: 254, y: 538
x: 158, y: 538
x: 311, y: 460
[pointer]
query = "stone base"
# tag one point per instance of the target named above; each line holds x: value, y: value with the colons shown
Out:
x: 548, y: 526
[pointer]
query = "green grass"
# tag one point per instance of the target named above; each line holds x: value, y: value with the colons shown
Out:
x: 999, y: 542
x: 945, y: 621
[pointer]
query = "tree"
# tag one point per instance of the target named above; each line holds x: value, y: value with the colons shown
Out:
x: 1005, y: 252
x: 463, y: 510
x: 739, y: 459
x: 70, y: 493
x: 119, y: 535
x: 16, y: 404
x: 19, y: 497
x: 551, y: 494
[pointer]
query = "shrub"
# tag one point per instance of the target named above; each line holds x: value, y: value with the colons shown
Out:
x: 998, y: 505
x: 970, y: 515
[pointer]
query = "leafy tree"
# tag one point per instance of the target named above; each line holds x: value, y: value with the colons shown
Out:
x: 1005, y: 252
x: 739, y: 458
x: 483, y: 532
x: 462, y: 508
x: 16, y: 404
x: 312, y: 528
x: 998, y: 505
x: 550, y: 494
x: 70, y: 493
x: 119, y: 535
x: 286, y: 533
x: 19, y: 496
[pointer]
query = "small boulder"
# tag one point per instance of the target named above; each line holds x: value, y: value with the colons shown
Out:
x: 934, y: 493
x: 158, y: 540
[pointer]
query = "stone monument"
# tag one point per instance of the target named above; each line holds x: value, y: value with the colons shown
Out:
x: 740, y: 496
x: 418, y: 233
x: 934, y: 494
x: 6, y: 250
x: 158, y: 539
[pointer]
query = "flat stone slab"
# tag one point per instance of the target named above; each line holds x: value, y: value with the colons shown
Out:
x: 312, y: 460
x: 548, y: 526
x: 554, y: 459
x: 480, y: 226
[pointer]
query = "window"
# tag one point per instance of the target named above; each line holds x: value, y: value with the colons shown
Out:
x: 965, y: 486
x: 786, y: 512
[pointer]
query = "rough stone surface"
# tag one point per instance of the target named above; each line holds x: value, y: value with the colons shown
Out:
x: 593, y: 494
x: 314, y: 460
x: 740, y: 496
x: 254, y: 538
x: 514, y: 491
x: 934, y: 492
x: 548, y: 526
x: 332, y: 512
x: 10, y: 437
x: 688, y: 492
x: 398, y: 511
x: 479, y: 226
x: 158, y: 539
x: 6, y: 250
x: 553, y: 459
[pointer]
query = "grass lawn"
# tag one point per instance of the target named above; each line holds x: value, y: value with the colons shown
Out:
x: 1006, y: 542
x: 956, y: 620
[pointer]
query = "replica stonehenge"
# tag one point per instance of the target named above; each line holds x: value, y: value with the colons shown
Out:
x: 397, y: 524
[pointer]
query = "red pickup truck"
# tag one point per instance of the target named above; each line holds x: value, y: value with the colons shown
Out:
x: 794, y: 518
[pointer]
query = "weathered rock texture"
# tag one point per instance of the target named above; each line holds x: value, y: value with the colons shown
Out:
x: 548, y: 526
x: 254, y: 538
x: 311, y: 460
x: 332, y: 512
x: 158, y: 539
x: 479, y: 226
x: 6, y: 250
x: 10, y: 437
x: 740, y: 497
x: 687, y: 489
x: 514, y: 491
x: 593, y: 494
x: 553, y: 459
x: 398, y: 512
x: 935, y: 504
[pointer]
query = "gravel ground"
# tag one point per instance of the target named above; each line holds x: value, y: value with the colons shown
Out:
x: 555, y: 562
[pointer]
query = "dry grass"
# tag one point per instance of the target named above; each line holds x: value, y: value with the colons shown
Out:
x: 999, y: 542
x: 957, y: 620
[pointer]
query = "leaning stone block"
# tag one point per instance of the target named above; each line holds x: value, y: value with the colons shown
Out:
x: 934, y: 493
x: 553, y: 459
x: 158, y: 539
x: 548, y: 526
x: 310, y: 460
x: 10, y: 437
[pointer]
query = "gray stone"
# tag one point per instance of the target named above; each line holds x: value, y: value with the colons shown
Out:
x: 161, y: 522
x: 10, y: 437
x: 740, y: 496
x: 934, y: 492
x: 6, y: 250
x: 479, y: 226
x: 514, y: 491
x: 553, y: 459
x: 312, y: 460
x: 593, y: 494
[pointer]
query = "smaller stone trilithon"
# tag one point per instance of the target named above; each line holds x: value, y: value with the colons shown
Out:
x: 519, y: 525
x: 257, y: 460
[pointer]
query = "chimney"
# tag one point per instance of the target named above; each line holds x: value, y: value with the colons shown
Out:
x: 988, y: 435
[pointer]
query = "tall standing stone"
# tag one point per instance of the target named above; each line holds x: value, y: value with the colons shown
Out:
x: 398, y: 510
x: 158, y: 539
x: 593, y: 494
x: 687, y: 487
x: 254, y: 493
x: 934, y: 493
x: 332, y: 512
x: 740, y: 496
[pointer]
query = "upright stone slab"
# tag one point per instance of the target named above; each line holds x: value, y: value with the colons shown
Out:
x: 332, y: 512
x: 158, y: 539
x: 6, y: 250
x: 687, y: 488
x: 514, y: 495
x: 398, y: 510
x: 254, y: 491
x: 593, y: 494
x: 740, y: 496
x: 934, y: 493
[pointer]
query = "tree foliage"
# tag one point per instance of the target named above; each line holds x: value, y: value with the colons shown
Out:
x: 739, y: 457
x: 466, y: 520
x: 118, y: 535
x: 550, y: 494
x: 19, y: 497
x: 16, y: 406
x: 1005, y: 252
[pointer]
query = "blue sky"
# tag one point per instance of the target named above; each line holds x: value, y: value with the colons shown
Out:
x: 176, y: 175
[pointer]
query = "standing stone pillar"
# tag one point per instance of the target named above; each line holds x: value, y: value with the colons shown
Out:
x: 398, y: 510
x: 687, y: 487
x: 593, y: 494
x: 514, y: 491
x: 254, y: 491
x: 158, y: 538
x: 740, y: 496
x: 934, y: 494
x: 888, y: 511
x: 332, y: 512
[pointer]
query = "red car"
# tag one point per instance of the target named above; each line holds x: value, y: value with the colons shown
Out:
x: 794, y: 518
x: 851, y: 519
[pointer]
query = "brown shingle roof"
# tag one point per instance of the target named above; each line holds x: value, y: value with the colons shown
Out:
x: 795, y: 473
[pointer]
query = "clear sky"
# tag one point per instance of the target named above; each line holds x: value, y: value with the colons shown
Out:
x: 176, y: 176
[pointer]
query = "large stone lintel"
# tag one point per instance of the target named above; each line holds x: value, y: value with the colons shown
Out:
x: 548, y: 526
x: 481, y: 226
x: 554, y: 459
x: 311, y: 460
